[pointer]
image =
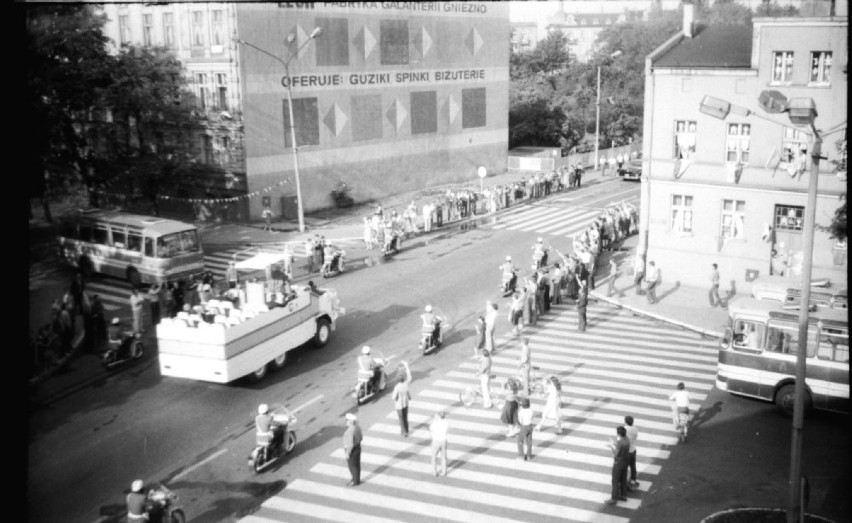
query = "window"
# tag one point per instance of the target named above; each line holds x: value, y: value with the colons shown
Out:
x: 424, y: 112
x: 782, y: 66
x: 201, y: 85
x: 218, y: 27
x: 86, y: 233
x: 119, y: 236
x: 473, y: 108
x: 366, y: 117
x: 222, y: 93
x: 134, y: 241
x: 198, y: 28
x: 124, y: 29
x: 101, y: 235
x: 147, y: 29
x: 789, y: 218
x: 748, y: 335
x: 333, y: 47
x: 393, y: 42
x: 681, y: 220
x: 793, y: 144
x: 784, y: 339
x: 306, y: 116
x: 733, y: 218
x: 169, y: 30
x: 833, y: 345
x: 737, y: 144
x: 207, y: 149
x: 684, y: 139
x: 820, y: 67
x: 149, y: 247
x: 175, y: 244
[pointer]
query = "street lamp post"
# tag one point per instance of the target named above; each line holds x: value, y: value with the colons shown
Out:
x: 802, y: 112
x: 598, y: 111
x: 286, y: 81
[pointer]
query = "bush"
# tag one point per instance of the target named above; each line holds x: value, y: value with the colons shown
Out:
x: 341, y: 197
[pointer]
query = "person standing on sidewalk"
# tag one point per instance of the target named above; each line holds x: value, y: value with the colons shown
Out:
x: 620, y: 451
x: 613, y: 274
x: 136, y: 304
x: 352, y: 448
x: 638, y: 273
x: 714, y: 287
x: 267, y: 218
x: 401, y: 397
x: 439, y: 429
x: 484, y: 373
x: 652, y: 280
x: 154, y: 303
x: 632, y: 434
x: 525, y: 422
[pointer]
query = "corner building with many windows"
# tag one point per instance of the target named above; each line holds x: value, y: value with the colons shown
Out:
x: 392, y: 96
x: 734, y: 191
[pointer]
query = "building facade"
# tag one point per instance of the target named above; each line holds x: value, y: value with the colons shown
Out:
x: 733, y: 192
x: 390, y: 97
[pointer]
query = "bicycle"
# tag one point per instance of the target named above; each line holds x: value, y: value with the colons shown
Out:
x: 473, y: 394
x: 538, y: 385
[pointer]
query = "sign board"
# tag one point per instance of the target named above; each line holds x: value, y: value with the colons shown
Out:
x: 482, y: 172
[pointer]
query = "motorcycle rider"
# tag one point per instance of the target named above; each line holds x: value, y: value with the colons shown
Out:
x: 114, y: 332
x: 328, y: 254
x: 117, y: 339
x: 137, y: 501
x: 509, y: 274
x: 369, y: 369
x: 431, y: 325
x: 270, y: 432
x: 540, y: 253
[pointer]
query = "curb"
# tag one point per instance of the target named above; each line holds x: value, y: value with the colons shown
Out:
x: 719, y: 517
x: 704, y: 332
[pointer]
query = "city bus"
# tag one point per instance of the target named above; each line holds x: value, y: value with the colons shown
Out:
x: 142, y: 249
x: 757, y: 355
x: 789, y: 292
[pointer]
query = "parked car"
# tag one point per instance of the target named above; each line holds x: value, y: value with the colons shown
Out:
x: 631, y: 170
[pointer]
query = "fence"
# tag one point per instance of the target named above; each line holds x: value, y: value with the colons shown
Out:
x: 587, y: 160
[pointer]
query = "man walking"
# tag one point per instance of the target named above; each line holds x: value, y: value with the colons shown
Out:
x: 479, y: 340
x: 484, y: 374
x: 652, y: 280
x: 525, y: 421
x: 582, y: 301
x: 352, y: 448
x: 439, y: 429
x: 401, y: 398
x: 490, y: 324
x: 632, y: 434
x: 620, y: 451
x: 714, y: 287
x: 136, y: 303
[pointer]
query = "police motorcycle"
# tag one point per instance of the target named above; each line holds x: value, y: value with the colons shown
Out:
x: 391, y: 245
x: 278, y: 441
x: 164, y: 506
x: 432, y: 330
x: 334, y: 266
x: 510, y: 277
x: 540, y: 254
x: 127, y: 347
x: 371, y: 375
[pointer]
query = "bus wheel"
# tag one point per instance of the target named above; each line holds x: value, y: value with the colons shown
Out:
x: 134, y: 278
x: 785, y: 399
x: 259, y: 374
x: 278, y: 363
x: 323, y: 332
x: 86, y: 267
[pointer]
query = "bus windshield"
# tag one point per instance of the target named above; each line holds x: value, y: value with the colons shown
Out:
x: 178, y: 243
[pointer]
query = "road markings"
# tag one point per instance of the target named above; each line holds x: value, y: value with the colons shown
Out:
x: 302, y: 406
x: 199, y: 464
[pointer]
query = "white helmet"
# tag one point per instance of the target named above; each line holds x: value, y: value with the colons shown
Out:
x: 365, y: 350
x: 116, y: 321
x: 263, y: 408
x: 508, y: 258
x: 428, y: 308
x: 540, y: 240
x: 137, y: 486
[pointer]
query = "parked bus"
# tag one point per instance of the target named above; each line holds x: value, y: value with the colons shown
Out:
x: 757, y: 357
x: 789, y: 292
x: 142, y: 249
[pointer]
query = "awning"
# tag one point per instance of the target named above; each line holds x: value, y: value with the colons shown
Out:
x: 261, y: 261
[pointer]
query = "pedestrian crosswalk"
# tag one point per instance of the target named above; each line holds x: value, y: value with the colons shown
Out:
x: 556, y: 217
x: 621, y: 365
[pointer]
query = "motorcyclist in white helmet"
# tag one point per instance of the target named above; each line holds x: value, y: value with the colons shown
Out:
x: 431, y: 324
x: 540, y: 253
x: 137, y: 503
x: 509, y: 273
x: 368, y: 368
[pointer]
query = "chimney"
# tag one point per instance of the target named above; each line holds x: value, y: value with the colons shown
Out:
x: 688, y: 20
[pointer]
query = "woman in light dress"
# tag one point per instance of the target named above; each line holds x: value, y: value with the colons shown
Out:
x: 553, y: 406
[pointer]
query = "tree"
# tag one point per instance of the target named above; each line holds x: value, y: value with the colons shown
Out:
x: 773, y: 10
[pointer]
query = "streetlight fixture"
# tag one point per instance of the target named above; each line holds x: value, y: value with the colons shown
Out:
x: 286, y: 82
x: 802, y: 112
x: 598, y: 110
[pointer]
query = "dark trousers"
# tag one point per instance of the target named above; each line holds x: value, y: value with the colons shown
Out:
x: 155, y: 313
x: 581, y: 318
x: 631, y: 463
x: 354, y: 462
x: 402, y: 414
x: 619, y: 480
x: 525, y: 438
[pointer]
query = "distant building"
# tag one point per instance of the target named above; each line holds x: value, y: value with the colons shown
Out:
x: 734, y: 192
x: 580, y: 20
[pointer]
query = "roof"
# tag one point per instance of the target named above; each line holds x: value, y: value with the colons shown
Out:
x: 713, y: 46
x: 153, y: 224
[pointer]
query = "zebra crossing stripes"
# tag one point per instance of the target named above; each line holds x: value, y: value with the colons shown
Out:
x: 551, y: 220
x: 621, y: 365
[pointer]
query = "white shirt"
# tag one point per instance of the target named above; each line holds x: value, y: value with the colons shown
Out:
x: 525, y: 416
x: 632, y: 436
x: 439, y: 429
x: 680, y: 397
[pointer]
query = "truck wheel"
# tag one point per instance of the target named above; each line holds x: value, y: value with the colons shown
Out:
x: 178, y: 516
x: 785, y: 399
x: 259, y: 374
x: 290, y: 442
x: 323, y: 332
x: 278, y: 363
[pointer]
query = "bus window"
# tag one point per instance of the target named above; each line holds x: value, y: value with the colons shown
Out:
x: 784, y: 338
x: 134, y: 241
x: 149, y: 247
x: 85, y: 233
x: 68, y: 230
x: 748, y: 335
x: 101, y: 235
x: 172, y: 245
x: 189, y: 239
x: 833, y: 345
x: 119, y: 237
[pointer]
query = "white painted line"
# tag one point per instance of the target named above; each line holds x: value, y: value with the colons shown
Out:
x: 302, y: 406
x: 200, y: 463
